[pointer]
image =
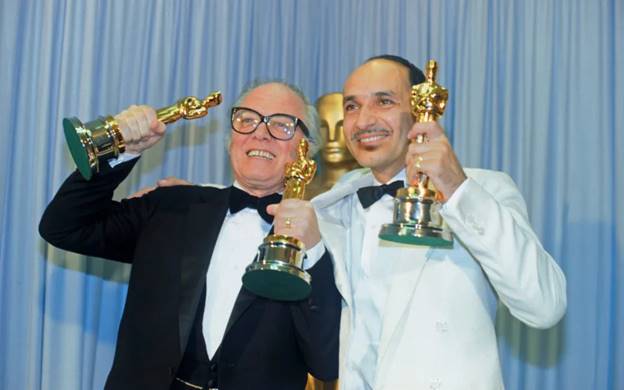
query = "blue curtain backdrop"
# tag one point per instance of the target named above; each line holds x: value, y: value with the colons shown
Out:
x: 536, y: 90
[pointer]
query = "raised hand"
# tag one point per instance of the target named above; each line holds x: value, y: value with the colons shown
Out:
x: 140, y: 128
x: 435, y: 158
x: 296, y: 218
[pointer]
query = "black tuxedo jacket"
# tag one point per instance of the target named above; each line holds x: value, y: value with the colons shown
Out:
x: 169, y: 236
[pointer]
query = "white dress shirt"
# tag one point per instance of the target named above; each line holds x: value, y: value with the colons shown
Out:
x: 236, y: 247
x: 370, y: 291
x: 223, y: 279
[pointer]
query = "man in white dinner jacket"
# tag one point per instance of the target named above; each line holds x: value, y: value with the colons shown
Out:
x: 419, y: 317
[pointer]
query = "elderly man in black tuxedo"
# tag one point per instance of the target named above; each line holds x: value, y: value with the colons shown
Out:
x: 188, y: 323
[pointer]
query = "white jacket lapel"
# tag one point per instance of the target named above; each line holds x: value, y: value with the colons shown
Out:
x: 347, y: 185
x: 407, y: 270
x: 334, y: 208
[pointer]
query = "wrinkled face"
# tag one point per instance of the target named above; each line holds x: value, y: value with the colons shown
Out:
x: 258, y: 160
x: 377, y: 116
x: 334, y: 149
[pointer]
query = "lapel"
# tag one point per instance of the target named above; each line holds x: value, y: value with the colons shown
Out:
x: 407, y: 269
x: 243, y: 301
x: 201, y: 229
x: 335, y: 207
x: 347, y: 185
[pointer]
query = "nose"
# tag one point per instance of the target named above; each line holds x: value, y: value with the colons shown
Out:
x: 334, y: 133
x: 262, y: 131
x: 327, y: 131
x: 365, y: 118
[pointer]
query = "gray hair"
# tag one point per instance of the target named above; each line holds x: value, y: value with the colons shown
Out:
x: 311, y: 120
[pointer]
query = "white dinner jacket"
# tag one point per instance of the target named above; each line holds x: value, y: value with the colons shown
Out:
x: 438, y: 323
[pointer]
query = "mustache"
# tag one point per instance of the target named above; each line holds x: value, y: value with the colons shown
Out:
x: 360, y: 133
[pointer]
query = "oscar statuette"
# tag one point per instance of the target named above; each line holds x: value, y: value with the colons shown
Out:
x: 417, y: 218
x: 101, y: 139
x: 335, y: 159
x: 277, y: 271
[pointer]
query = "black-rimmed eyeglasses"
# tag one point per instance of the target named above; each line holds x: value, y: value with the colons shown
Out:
x: 280, y: 126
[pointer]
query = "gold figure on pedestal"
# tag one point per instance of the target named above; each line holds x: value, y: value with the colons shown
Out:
x: 428, y: 101
x: 188, y: 108
x: 416, y: 208
x: 101, y: 139
x: 298, y: 173
x: 277, y: 271
x: 335, y: 158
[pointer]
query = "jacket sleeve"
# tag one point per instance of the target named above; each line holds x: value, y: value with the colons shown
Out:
x: 489, y: 217
x: 83, y: 218
x: 317, y: 321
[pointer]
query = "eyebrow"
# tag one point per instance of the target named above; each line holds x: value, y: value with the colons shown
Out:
x: 385, y: 93
x: 389, y: 93
x: 348, y: 98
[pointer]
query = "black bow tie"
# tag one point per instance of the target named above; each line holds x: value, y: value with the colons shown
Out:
x: 239, y: 199
x: 371, y: 194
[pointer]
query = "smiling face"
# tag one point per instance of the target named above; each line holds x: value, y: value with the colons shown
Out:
x: 377, y: 116
x: 258, y: 160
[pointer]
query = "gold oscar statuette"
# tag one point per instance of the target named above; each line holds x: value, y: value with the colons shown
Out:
x: 101, y: 139
x: 277, y: 272
x: 417, y: 218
